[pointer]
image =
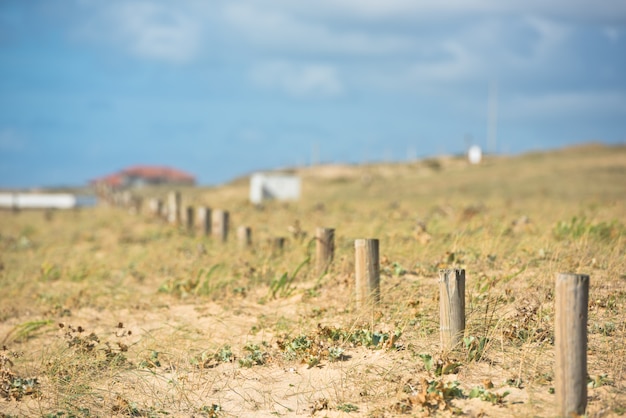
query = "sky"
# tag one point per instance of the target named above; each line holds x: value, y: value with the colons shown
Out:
x: 222, y: 88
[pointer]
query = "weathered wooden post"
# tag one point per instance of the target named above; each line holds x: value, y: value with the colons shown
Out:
x: 278, y: 244
x: 137, y: 203
x: 219, y: 224
x: 324, y: 248
x: 451, y: 307
x: 570, y: 343
x: 173, y: 207
x: 244, y: 236
x: 190, y: 218
x: 126, y: 199
x: 367, y: 272
x: 204, y: 220
x: 159, y: 208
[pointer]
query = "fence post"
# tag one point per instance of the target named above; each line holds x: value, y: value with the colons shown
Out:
x: 190, y: 218
x: 278, y: 244
x: 570, y: 343
x: 204, y: 220
x: 159, y: 208
x: 244, y: 236
x: 219, y: 224
x: 138, y: 204
x: 324, y: 248
x: 367, y: 272
x: 173, y: 207
x: 451, y: 307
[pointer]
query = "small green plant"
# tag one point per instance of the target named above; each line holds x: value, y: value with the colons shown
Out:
x: 439, y: 366
x: 50, y: 271
x: 488, y: 396
x: 347, y: 407
x: 213, y: 411
x: 209, y: 360
x: 152, y: 361
x: 475, y: 347
x: 202, y: 285
x: 12, y: 386
x: 335, y: 353
x: 225, y: 355
x: 434, y: 396
x: 598, y: 381
x: 255, y: 356
x: 282, y: 286
x: 26, y: 330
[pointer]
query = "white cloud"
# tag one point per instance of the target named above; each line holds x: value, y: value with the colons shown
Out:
x: 300, y: 81
x: 581, y: 10
x: 460, y: 63
x: 282, y: 30
x: 147, y: 29
x: 159, y: 32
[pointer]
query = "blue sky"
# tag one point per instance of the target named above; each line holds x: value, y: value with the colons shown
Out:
x: 223, y: 88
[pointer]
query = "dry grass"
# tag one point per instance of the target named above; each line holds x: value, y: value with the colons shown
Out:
x: 106, y: 313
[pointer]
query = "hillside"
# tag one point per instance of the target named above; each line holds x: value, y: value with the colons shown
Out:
x: 104, y: 312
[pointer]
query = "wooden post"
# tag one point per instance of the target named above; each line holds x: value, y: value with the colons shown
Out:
x: 244, y: 236
x: 204, y: 220
x: 324, y: 248
x: 367, y: 272
x: 159, y: 208
x: 190, y: 218
x: 126, y: 199
x: 570, y: 343
x: 451, y: 307
x: 278, y: 244
x: 173, y: 207
x: 219, y: 224
x: 137, y: 204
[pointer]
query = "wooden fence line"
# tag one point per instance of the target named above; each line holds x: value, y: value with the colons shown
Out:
x: 571, y: 294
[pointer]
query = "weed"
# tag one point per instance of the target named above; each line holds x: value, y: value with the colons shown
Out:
x: 598, y: 381
x: 213, y: 411
x: 579, y: 227
x: 201, y: 285
x: 208, y: 361
x: 282, y: 287
x: 255, y: 356
x: 475, y: 347
x: 439, y: 366
x: 13, y: 386
x: 347, y: 407
x: 488, y: 396
x: 50, y: 272
x: 152, y: 361
x: 435, y: 395
x: 26, y: 330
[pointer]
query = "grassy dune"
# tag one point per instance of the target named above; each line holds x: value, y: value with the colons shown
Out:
x: 108, y: 313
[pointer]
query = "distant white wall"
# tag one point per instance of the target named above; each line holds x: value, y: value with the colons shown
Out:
x: 37, y: 200
x: 274, y: 186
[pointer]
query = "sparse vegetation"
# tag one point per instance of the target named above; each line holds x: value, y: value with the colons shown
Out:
x: 107, y: 313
